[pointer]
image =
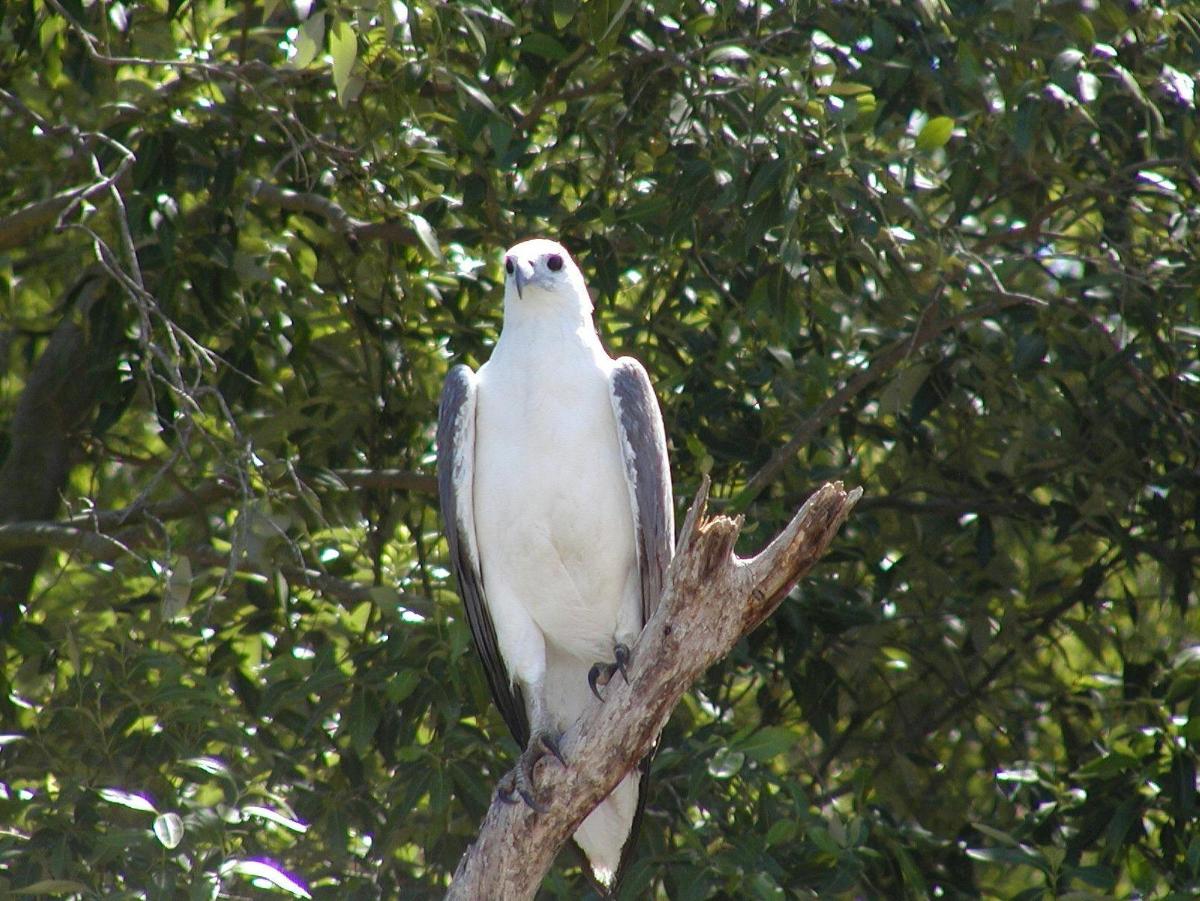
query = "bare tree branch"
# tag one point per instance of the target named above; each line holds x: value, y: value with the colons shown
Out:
x: 387, y: 231
x: 18, y: 229
x: 89, y: 531
x: 196, y: 501
x: 323, y: 583
x: 98, y: 546
x: 712, y: 599
x: 389, y: 479
x: 33, y: 534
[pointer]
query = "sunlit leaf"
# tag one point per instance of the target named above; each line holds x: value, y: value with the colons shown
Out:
x: 426, y: 235
x: 274, y: 816
x: 309, y: 41
x: 266, y: 874
x: 343, y: 47
x: 935, y: 133
x: 725, y: 763
x: 168, y: 829
x: 728, y: 54
x: 127, y: 799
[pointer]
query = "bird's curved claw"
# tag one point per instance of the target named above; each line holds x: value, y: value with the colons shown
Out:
x: 519, y: 783
x: 593, y: 675
x: 605, y: 671
x: 510, y: 789
x: 550, y: 743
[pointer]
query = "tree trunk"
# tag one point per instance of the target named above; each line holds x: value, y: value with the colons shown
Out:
x: 58, y: 396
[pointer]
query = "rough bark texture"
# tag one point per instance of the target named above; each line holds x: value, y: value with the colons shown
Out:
x: 712, y: 598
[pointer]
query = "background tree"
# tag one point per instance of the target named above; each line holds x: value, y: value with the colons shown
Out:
x: 947, y: 252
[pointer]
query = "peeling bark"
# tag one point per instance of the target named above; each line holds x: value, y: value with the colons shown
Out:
x: 712, y: 599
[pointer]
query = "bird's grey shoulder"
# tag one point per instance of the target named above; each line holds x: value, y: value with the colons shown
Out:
x: 634, y: 398
x: 457, y: 395
x: 630, y: 381
x: 459, y: 382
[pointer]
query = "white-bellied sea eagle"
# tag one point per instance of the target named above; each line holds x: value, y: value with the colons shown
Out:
x: 556, y: 495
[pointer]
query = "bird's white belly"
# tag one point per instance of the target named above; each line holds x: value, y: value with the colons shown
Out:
x: 552, y: 508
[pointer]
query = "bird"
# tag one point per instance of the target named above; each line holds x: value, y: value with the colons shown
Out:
x: 555, y: 491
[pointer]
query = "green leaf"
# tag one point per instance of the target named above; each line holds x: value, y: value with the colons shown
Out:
x: 266, y: 874
x: 274, y: 816
x: 1107, y: 765
x: 728, y: 54
x: 935, y: 133
x: 543, y: 45
x: 309, y: 41
x: 1097, y: 876
x: 178, y: 588
x: 766, y: 179
x: 127, y: 799
x: 563, y: 13
x: 425, y: 234
x: 725, y: 763
x: 767, y: 743
x: 899, y: 392
x: 343, y: 47
x: 1009, y: 856
x: 845, y: 89
x: 782, y: 831
x: 168, y: 829
x: 820, y: 837
x: 403, y: 685
x: 477, y: 95
x: 604, y: 21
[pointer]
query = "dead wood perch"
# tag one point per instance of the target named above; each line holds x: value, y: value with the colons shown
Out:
x: 712, y: 598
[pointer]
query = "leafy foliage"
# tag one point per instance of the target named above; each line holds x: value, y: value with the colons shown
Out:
x: 944, y: 251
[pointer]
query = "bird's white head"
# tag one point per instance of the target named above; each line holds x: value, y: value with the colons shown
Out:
x: 541, y: 271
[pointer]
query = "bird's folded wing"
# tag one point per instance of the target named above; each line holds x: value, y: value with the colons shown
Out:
x: 648, y: 474
x: 456, y: 481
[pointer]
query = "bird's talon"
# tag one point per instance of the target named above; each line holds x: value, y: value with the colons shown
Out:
x: 550, y: 743
x: 506, y: 791
x: 520, y: 782
x: 593, y: 675
x: 602, y: 673
x: 534, y: 804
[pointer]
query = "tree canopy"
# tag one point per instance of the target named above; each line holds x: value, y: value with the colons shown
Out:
x: 944, y: 251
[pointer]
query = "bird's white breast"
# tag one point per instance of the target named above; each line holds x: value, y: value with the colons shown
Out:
x: 552, y: 508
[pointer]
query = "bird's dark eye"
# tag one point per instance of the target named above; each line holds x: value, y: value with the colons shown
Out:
x: 554, y: 262
x: 508, y: 265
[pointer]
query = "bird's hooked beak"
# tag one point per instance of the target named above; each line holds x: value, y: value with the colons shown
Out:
x: 522, y: 273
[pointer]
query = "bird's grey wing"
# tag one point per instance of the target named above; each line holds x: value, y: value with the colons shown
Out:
x: 648, y: 474
x: 456, y: 481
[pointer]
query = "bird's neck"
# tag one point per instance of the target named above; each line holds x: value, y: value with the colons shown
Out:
x: 550, y: 322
